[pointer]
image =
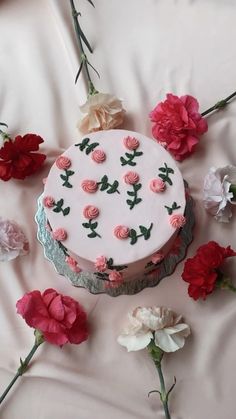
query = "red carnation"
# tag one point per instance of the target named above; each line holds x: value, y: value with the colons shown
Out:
x: 59, y: 318
x: 202, y: 271
x: 178, y: 124
x: 17, y: 157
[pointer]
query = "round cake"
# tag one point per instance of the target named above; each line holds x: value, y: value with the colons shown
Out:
x: 114, y: 202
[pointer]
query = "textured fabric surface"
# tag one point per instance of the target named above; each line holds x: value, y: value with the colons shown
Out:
x: 142, y: 49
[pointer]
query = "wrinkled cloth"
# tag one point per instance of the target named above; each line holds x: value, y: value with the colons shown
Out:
x: 142, y: 50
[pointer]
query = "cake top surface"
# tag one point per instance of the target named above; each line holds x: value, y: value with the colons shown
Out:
x: 114, y: 193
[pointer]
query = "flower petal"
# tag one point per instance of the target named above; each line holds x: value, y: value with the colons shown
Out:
x: 136, y: 342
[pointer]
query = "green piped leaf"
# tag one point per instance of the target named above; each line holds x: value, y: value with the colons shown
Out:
x: 91, y: 147
x: 92, y: 235
x: 129, y: 160
x: 166, y: 171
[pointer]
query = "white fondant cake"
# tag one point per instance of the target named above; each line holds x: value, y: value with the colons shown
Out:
x: 114, y: 202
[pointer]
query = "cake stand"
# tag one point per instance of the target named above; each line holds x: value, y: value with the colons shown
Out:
x: 89, y: 280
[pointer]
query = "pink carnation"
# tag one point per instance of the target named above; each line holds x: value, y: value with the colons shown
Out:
x: 131, y: 178
x: 63, y: 162
x: 59, y: 234
x: 101, y: 264
x: 72, y: 263
x: 48, y: 202
x: 13, y: 242
x: 178, y: 123
x: 177, y: 220
x: 115, y: 276
x: 131, y: 143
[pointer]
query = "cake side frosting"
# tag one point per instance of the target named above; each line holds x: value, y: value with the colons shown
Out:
x: 116, y: 194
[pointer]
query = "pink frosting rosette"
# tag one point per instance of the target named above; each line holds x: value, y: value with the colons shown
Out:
x: 99, y: 156
x: 73, y: 265
x: 115, y: 276
x: 59, y: 234
x: 157, y: 185
x: 90, y: 212
x: 131, y: 178
x: 48, y: 202
x: 101, y: 264
x: 121, y: 232
x: 177, y: 220
x: 63, y: 162
x: 89, y: 186
x: 131, y: 143
x: 157, y: 257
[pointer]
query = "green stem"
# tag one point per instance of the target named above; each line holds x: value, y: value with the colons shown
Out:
x: 84, y: 60
x: 219, y: 105
x: 226, y: 284
x: 163, y: 393
x: 24, y: 364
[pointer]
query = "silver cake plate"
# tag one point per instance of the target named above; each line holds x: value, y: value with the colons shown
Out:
x: 88, y: 280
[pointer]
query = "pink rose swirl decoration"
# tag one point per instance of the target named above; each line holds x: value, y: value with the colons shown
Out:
x: 48, y: 202
x: 72, y: 264
x: 121, y: 232
x: 101, y: 264
x: 98, y: 156
x: 89, y: 186
x: 157, y: 185
x: 59, y: 234
x: 131, y: 178
x: 157, y: 257
x: 90, y: 212
x: 115, y: 276
x: 63, y: 162
x: 177, y: 220
x: 131, y: 143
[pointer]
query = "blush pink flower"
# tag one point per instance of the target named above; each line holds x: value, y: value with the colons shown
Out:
x: 157, y: 185
x: 121, y: 232
x: 90, y: 212
x: 59, y: 234
x: 48, y: 202
x: 99, y: 156
x: 13, y: 242
x: 63, y: 162
x: 157, y: 257
x: 131, y: 178
x: 115, y: 276
x: 131, y: 143
x: 178, y: 124
x: 89, y: 186
x: 60, y: 318
x: 101, y: 264
x: 73, y: 265
x: 177, y: 220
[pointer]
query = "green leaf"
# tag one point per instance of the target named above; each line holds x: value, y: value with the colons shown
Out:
x: 133, y: 236
x: 86, y: 225
x: 67, y: 185
x: 163, y: 177
x: 137, y: 187
x: 137, y: 201
x: 169, y: 210
x: 90, y: 1
x: 113, y: 187
x: 84, y: 143
x: 168, y: 180
x: 60, y: 203
x: 91, y: 147
x: 104, y: 186
x: 162, y: 169
x: 92, y: 235
x: 123, y: 161
x: 84, y: 38
x: 143, y: 230
x: 63, y: 177
x: 131, y: 163
x: 138, y: 153
x: 171, y: 170
x: 66, y: 211
x: 79, y: 71
x: 56, y: 209
x: 94, y: 225
x: 69, y: 172
x: 130, y: 156
x: 104, y: 179
x: 130, y: 193
x: 129, y: 202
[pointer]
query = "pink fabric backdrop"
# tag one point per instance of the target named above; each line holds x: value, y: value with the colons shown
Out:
x: 143, y: 49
